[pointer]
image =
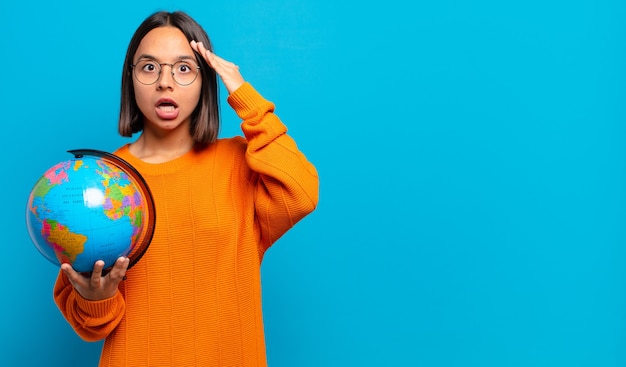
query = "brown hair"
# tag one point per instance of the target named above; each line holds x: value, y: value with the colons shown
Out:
x: 205, y: 124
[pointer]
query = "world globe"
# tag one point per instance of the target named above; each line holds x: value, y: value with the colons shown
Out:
x: 95, y: 206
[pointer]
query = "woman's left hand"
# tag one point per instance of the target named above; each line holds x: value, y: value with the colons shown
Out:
x: 228, y: 71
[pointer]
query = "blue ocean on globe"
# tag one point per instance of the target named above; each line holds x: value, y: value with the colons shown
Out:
x: 83, y: 210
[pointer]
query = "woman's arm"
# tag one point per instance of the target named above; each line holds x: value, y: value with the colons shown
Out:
x: 288, y: 185
x: 92, y: 320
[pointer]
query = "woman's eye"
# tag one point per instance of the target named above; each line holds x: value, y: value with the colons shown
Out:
x: 148, y: 67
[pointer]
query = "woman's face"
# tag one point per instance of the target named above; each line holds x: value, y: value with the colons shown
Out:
x: 166, y: 104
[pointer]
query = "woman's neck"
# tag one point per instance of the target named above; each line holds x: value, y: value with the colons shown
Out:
x: 155, y: 148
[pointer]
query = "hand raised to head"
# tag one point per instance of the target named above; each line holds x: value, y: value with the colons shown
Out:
x: 96, y: 286
x: 228, y: 71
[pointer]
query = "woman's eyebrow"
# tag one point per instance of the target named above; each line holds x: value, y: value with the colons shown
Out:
x: 181, y: 57
x: 146, y: 56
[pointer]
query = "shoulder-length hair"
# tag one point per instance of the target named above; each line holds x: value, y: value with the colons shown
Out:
x: 205, y: 123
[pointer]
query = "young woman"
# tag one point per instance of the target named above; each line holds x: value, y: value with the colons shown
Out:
x: 194, y: 299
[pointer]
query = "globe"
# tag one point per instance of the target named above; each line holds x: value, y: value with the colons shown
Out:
x: 95, y: 206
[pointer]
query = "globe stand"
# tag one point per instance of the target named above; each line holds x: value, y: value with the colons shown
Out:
x: 148, y: 231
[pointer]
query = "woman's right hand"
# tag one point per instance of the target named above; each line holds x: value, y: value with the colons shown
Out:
x: 97, y: 287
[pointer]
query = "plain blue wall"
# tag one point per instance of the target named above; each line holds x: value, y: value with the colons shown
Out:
x: 472, y: 163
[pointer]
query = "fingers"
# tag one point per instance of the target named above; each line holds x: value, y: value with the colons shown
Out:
x: 228, y: 71
x: 217, y: 63
x: 72, y: 275
x: 204, y: 52
x: 118, y: 272
x: 96, y: 274
x: 213, y: 60
x: 115, y: 274
x: 101, y: 283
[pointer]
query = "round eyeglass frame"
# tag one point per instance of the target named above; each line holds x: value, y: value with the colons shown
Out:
x: 171, y: 65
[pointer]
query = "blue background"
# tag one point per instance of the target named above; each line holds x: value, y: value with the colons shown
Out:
x: 472, y: 165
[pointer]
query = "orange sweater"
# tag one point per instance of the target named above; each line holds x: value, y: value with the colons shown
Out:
x: 194, y: 298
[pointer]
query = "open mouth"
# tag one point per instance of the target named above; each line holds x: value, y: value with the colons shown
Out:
x: 167, y: 109
x: 167, y: 105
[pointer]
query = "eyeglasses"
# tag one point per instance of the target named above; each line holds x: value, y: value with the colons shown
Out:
x: 148, y: 72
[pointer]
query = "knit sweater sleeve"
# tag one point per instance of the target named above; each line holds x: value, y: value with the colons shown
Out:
x: 287, y: 186
x: 91, y: 320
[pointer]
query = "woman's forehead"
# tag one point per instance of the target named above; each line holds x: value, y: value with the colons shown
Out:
x: 165, y: 43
